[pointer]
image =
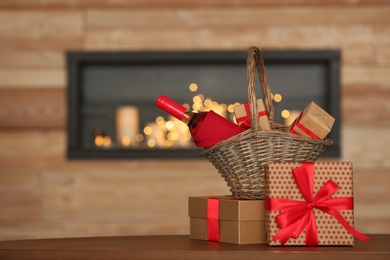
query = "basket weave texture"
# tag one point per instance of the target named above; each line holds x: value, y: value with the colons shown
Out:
x: 241, y: 160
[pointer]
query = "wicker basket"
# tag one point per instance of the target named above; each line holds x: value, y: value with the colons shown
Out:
x: 241, y: 159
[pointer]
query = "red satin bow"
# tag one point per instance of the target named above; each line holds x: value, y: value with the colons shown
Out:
x: 299, y: 215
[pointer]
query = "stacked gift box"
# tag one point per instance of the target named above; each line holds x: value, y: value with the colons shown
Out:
x: 306, y: 203
x: 225, y: 219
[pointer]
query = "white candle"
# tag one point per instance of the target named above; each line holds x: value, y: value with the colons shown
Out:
x: 127, y: 125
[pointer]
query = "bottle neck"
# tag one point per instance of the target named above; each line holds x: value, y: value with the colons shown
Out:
x: 170, y: 106
x: 187, y: 116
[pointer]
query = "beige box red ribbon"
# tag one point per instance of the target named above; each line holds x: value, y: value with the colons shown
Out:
x: 242, y: 113
x: 313, y: 122
x: 227, y: 220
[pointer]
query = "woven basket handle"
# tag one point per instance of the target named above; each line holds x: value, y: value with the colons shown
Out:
x: 255, y: 60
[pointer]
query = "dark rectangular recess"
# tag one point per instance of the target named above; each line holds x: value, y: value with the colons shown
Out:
x: 98, y: 82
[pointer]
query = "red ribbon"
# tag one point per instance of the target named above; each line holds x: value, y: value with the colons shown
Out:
x: 302, y: 127
x: 245, y: 120
x: 213, y: 219
x: 299, y: 215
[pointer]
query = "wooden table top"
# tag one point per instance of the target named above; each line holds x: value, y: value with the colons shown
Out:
x: 182, y: 247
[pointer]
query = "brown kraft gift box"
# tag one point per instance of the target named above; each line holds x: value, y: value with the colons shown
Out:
x: 313, y: 122
x: 310, y: 204
x: 240, y: 221
x: 242, y: 113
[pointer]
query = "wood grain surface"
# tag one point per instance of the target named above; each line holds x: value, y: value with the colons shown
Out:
x: 42, y: 194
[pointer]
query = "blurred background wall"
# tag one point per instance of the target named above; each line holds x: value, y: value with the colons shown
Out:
x: 42, y: 194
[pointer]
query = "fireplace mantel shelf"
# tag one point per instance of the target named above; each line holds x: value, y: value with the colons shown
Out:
x: 182, y: 247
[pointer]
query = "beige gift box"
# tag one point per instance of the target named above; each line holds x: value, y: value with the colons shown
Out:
x: 240, y: 221
x: 313, y: 122
x: 243, y: 115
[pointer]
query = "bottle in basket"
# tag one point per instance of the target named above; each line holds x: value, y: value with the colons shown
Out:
x: 206, y: 128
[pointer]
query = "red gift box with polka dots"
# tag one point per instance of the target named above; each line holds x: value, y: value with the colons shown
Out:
x: 283, y: 194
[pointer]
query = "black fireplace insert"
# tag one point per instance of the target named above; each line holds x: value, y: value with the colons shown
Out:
x: 111, y: 95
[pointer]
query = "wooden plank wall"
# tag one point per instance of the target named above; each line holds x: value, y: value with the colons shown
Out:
x: 44, y: 195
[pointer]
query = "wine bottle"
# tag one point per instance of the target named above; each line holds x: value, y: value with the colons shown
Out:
x: 206, y: 128
x: 190, y: 118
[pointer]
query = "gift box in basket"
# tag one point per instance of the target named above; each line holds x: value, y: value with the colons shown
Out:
x: 313, y: 122
x: 228, y: 220
x: 241, y: 159
x: 243, y: 115
x: 310, y: 204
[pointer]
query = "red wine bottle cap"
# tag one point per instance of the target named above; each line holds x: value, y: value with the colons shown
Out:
x: 170, y: 106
